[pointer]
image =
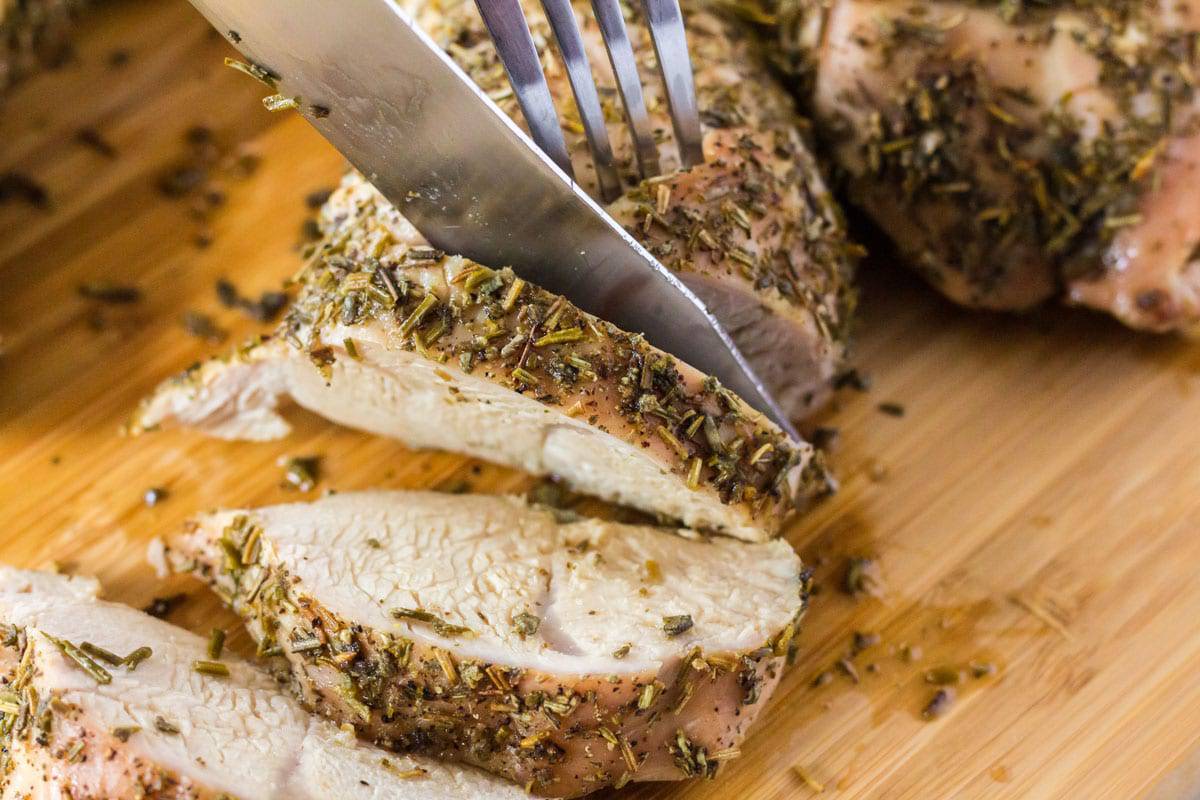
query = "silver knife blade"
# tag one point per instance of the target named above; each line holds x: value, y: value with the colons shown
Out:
x: 471, y: 181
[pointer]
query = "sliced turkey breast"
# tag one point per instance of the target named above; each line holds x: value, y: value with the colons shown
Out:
x: 32, y: 32
x: 1020, y: 151
x: 437, y: 351
x: 102, y: 702
x: 565, y: 655
x: 753, y: 230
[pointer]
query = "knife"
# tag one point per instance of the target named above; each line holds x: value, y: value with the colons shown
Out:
x: 472, y: 182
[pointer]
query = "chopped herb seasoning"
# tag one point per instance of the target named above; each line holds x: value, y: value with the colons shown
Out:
x: 677, y: 624
x: 74, y: 751
x: 259, y: 73
x: 203, y: 327
x: 943, y: 676
x: 216, y: 643
x: 136, y: 657
x: 847, y: 668
x: 160, y: 607
x: 301, y: 472
x: 164, y: 726
x: 83, y: 660
x: 526, y: 624
x: 405, y: 774
x: 265, y: 309
x: 214, y: 669
x: 315, y: 199
x: 623, y: 650
x: 182, y: 180
x: 19, y: 186
x: 440, y: 626
x: 982, y: 669
x: 824, y: 438
x: 862, y: 578
x: 863, y: 641
x: 106, y: 292
x: 853, y: 379
x: 124, y: 732
x: 97, y: 652
x: 939, y: 704
x: 90, y: 137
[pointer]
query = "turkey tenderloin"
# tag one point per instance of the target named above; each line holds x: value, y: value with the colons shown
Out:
x: 565, y: 655
x: 392, y: 337
x: 171, y: 722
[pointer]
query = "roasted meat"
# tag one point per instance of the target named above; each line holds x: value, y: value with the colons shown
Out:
x: 566, y: 655
x: 392, y: 337
x: 1016, y: 151
x: 102, y: 702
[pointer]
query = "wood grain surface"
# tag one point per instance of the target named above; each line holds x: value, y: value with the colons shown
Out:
x: 1035, y: 510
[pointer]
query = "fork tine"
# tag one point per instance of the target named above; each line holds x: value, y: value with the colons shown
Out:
x: 505, y: 22
x: 587, y: 101
x: 624, y: 65
x: 670, y: 45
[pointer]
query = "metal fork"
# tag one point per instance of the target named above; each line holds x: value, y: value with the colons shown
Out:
x: 509, y: 30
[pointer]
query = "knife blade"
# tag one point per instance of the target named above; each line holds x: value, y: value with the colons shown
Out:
x: 472, y: 182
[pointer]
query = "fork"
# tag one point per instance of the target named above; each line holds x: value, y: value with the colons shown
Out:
x: 509, y: 30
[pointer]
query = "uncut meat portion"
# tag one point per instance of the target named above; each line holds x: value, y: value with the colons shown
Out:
x: 753, y: 230
x: 565, y: 654
x: 33, y: 33
x: 1018, y: 152
x: 392, y: 337
x: 77, y: 723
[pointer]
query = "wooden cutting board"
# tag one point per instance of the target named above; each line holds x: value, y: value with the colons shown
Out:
x: 1034, y: 513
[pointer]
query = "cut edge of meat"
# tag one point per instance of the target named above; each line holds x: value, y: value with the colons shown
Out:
x: 458, y: 346
x: 561, y: 734
x: 86, y: 727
